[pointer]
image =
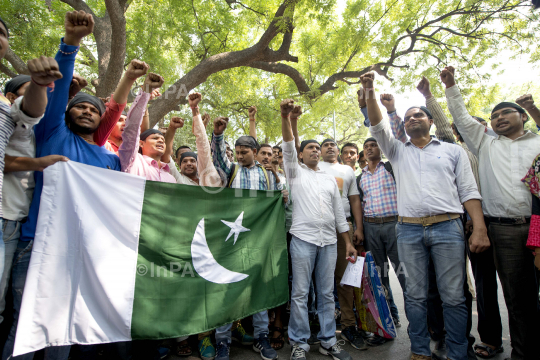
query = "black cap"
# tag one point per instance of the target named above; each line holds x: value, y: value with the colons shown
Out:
x: 149, y: 132
x: 248, y: 141
x: 304, y: 143
x: 84, y: 97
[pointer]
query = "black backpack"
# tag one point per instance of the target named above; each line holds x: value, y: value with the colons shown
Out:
x: 387, y: 167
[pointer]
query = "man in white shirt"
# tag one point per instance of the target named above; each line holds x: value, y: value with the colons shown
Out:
x: 317, y: 212
x: 433, y: 180
x: 350, y: 197
x: 503, y: 162
x: 29, y: 101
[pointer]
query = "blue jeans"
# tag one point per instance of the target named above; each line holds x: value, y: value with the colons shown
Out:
x: 11, y: 233
x: 21, y: 260
x: 306, y: 259
x: 260, y: 326
x: 445, y: 243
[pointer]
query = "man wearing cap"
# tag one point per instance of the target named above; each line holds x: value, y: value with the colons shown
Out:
x: 346, y: 181
x: 378, y: 194
x: 195, y: 169
x: 16, y: 87
x: 246, y: 174
x: 70, y: 133
x: 317, y: 212
x: 503, y: 161
x: 433, y: 180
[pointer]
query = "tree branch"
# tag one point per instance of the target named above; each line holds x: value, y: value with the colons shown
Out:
x: 115, y: 65
x: 16, y: 62
x: 79, y: 5
x: 7, y: 71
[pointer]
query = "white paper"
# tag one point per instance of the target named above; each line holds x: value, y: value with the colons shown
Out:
x: 353, y: 273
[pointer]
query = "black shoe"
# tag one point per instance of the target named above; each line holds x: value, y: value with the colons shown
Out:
x: 375, y: 340
x: 439, y: 352
x: 313, y: 339
x: 352, y: 335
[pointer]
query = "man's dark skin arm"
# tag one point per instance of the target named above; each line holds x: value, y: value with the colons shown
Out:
x: 19, y: 163
x: 356, y: 210
x: 526, y: 101
x: 294, y: 115
x: 374, y: 113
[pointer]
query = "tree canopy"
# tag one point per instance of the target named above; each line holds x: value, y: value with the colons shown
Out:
x: 255, y: 52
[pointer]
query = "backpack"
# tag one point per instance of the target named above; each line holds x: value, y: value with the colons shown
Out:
x: 387, y: 167
x: 234, y: 171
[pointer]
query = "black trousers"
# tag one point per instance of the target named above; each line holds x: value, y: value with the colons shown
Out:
x: 487, y: 301
x: 515, y: 265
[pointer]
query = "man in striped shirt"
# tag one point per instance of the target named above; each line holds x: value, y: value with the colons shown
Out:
x: 246, y: 174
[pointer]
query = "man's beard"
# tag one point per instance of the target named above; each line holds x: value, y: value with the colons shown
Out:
x: 77, y: 129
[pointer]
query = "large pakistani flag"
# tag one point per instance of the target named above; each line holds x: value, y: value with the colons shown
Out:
x: 118, y: 258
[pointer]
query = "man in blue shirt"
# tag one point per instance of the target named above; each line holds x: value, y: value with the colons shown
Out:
x: 68, y: 133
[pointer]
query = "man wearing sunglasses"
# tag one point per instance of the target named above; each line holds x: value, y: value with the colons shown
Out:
x: 503, y: 161
x: 433, y: 180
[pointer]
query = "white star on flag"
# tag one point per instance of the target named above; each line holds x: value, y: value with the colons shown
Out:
x: 236, y: 227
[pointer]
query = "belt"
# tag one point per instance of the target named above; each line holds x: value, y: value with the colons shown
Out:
x: 380, y: 220
x: 428, y: 220
x: 509, y: 221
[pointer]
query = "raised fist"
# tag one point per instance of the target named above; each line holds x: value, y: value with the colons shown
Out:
x: 252, y: 111
x: 105, y: 100
x: 287, y: 106
x: 155, y: 93
x: 77, y: 84
x: 194, y: 100
x: 297, y: 111
x: 152, y: 82
x: 136, y: 69
x: 205, y: 119
x: 367, y: 80
x: 44, y: 70
x: 176, y: 122
x: 388, y: 102
x: 447, y: 76
x: 525, y: 101
x: 424, y: 88
x: 361, y: 98
x: 78, y: 24
x: 220, y: 124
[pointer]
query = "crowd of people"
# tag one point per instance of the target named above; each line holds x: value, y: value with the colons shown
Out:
x: 469, y: 193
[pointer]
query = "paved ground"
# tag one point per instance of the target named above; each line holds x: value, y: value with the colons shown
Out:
x: 399, y: 349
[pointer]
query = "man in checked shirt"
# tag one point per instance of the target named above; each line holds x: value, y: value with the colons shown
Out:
x: 378, y: 194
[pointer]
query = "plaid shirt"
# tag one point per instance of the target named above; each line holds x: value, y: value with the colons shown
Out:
x: 380, y: 194
x: 246, y: 178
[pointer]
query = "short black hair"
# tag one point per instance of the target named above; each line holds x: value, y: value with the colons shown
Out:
x: 361, y: 154
x: 180, y: 148
x: 277, y: 147
x: 350, y: 145
x: 265, y: 145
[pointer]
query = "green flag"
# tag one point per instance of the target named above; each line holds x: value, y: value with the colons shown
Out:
x: 137, y: 259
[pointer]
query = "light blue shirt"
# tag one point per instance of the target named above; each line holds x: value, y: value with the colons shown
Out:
x: 431, y: 181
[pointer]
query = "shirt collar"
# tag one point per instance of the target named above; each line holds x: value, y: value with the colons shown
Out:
x: 433, y: 140
x: 154, y: 163
x: 527, y: 134
x: 305, y: 167
x: 366, y: 169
